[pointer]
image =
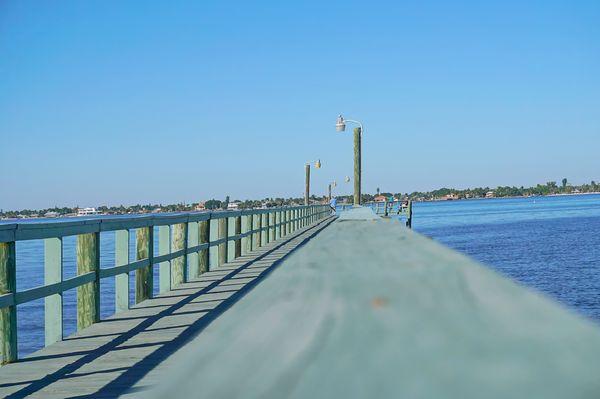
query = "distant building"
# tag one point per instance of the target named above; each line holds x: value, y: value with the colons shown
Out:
x: 489, y: 194
x: 380, y: 198
x: 51, y: 214
x: 232, y: 206
x: 200, y: 207
x: 450, y: 197
x: 86, y: 211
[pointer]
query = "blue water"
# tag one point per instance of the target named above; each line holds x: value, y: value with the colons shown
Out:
x: 551, y: 244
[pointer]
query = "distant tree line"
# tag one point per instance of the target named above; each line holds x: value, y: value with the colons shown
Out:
x: 550, y: 188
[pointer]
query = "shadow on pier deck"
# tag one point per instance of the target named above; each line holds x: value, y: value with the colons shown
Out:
x: 111, y: 358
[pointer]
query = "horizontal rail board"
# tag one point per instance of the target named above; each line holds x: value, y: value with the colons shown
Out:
x: 51, y: 289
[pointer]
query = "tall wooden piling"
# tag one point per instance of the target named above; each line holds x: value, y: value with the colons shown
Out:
x: 409, y: 215
x: 222, y: 231
x: 179, y: 264
x: 88, y: 294
x: 357, y: 165
x: 204, y: 237
x: 8, y: 315
x: 144, y: 280
x: 249, y: 228
x: 257, y: 226
x: 238, y: 231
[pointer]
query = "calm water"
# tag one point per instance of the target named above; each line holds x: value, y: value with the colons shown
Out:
x: 551, y: 244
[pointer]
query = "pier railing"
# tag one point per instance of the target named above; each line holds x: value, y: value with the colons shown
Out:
x: 185, y: 242
x: 387, y: 208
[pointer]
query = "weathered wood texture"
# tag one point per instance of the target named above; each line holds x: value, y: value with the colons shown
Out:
x: 179, y: 264
x: 88, y: 295
x: 144, y: 280
x: 357, y: 165
x: 223, y: 232
x: 132, y: 349
x: 204, y: 233
x: 8, y: 315
x: 238, y: 242
x: 371, y: 309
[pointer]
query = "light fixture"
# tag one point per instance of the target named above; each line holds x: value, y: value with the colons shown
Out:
x: 340, y: 125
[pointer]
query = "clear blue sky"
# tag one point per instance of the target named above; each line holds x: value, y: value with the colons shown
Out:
x: 138, y: 102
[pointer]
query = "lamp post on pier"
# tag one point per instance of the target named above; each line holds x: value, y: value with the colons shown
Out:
x: 340, y: 126
x: 307, y: 179
x: 333, y: 184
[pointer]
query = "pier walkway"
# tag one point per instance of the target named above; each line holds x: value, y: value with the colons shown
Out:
x: 355, y: 307
x: 130, y: 350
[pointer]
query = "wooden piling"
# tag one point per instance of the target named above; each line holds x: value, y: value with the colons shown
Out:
x: 144, y: 280
x: 204, y: 236
x: 8, y: 315
x: 238, y: 242
x: 357, y: 165
x: 88, y: 294
x: 179, y: 264
x: 249, y: 238
x: 257, y: 225
x: 222, y: 231
x: 409, y: 215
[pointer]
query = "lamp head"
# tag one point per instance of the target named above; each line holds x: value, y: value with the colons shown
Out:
x: 347, y: 179
x: 318, y: 164
x: 340, y: 125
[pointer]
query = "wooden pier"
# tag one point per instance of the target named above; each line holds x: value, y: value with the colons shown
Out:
x: 324, y: 307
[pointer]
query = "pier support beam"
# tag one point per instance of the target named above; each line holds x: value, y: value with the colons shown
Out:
x: 144, y: 279
x: 204, y: 235
x: 88, y: 295
x: 222, y: 231
x: 179, y: 264
x: 357, y: 165
x: 8, y: 315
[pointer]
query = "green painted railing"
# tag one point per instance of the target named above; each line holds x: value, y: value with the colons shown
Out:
x: 386, y: 208
x: 185, y: 245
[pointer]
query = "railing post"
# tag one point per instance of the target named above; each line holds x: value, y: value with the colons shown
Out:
x: 53, y: 269
x: 222, y: 231
x: 88, y: 294
x: 277, y: 225
x: 143, y: 276
x: 164, y: 268
x: 179, y: 264
x: 8, y: 315
x: 284, y: 222
x: 121, y: 280
x: 193, y: 258
x: 204, y: 233
x: 238, y: 242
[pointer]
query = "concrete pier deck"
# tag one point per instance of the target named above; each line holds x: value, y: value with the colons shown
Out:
x: 371, y: 309
x: 366, y: 308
